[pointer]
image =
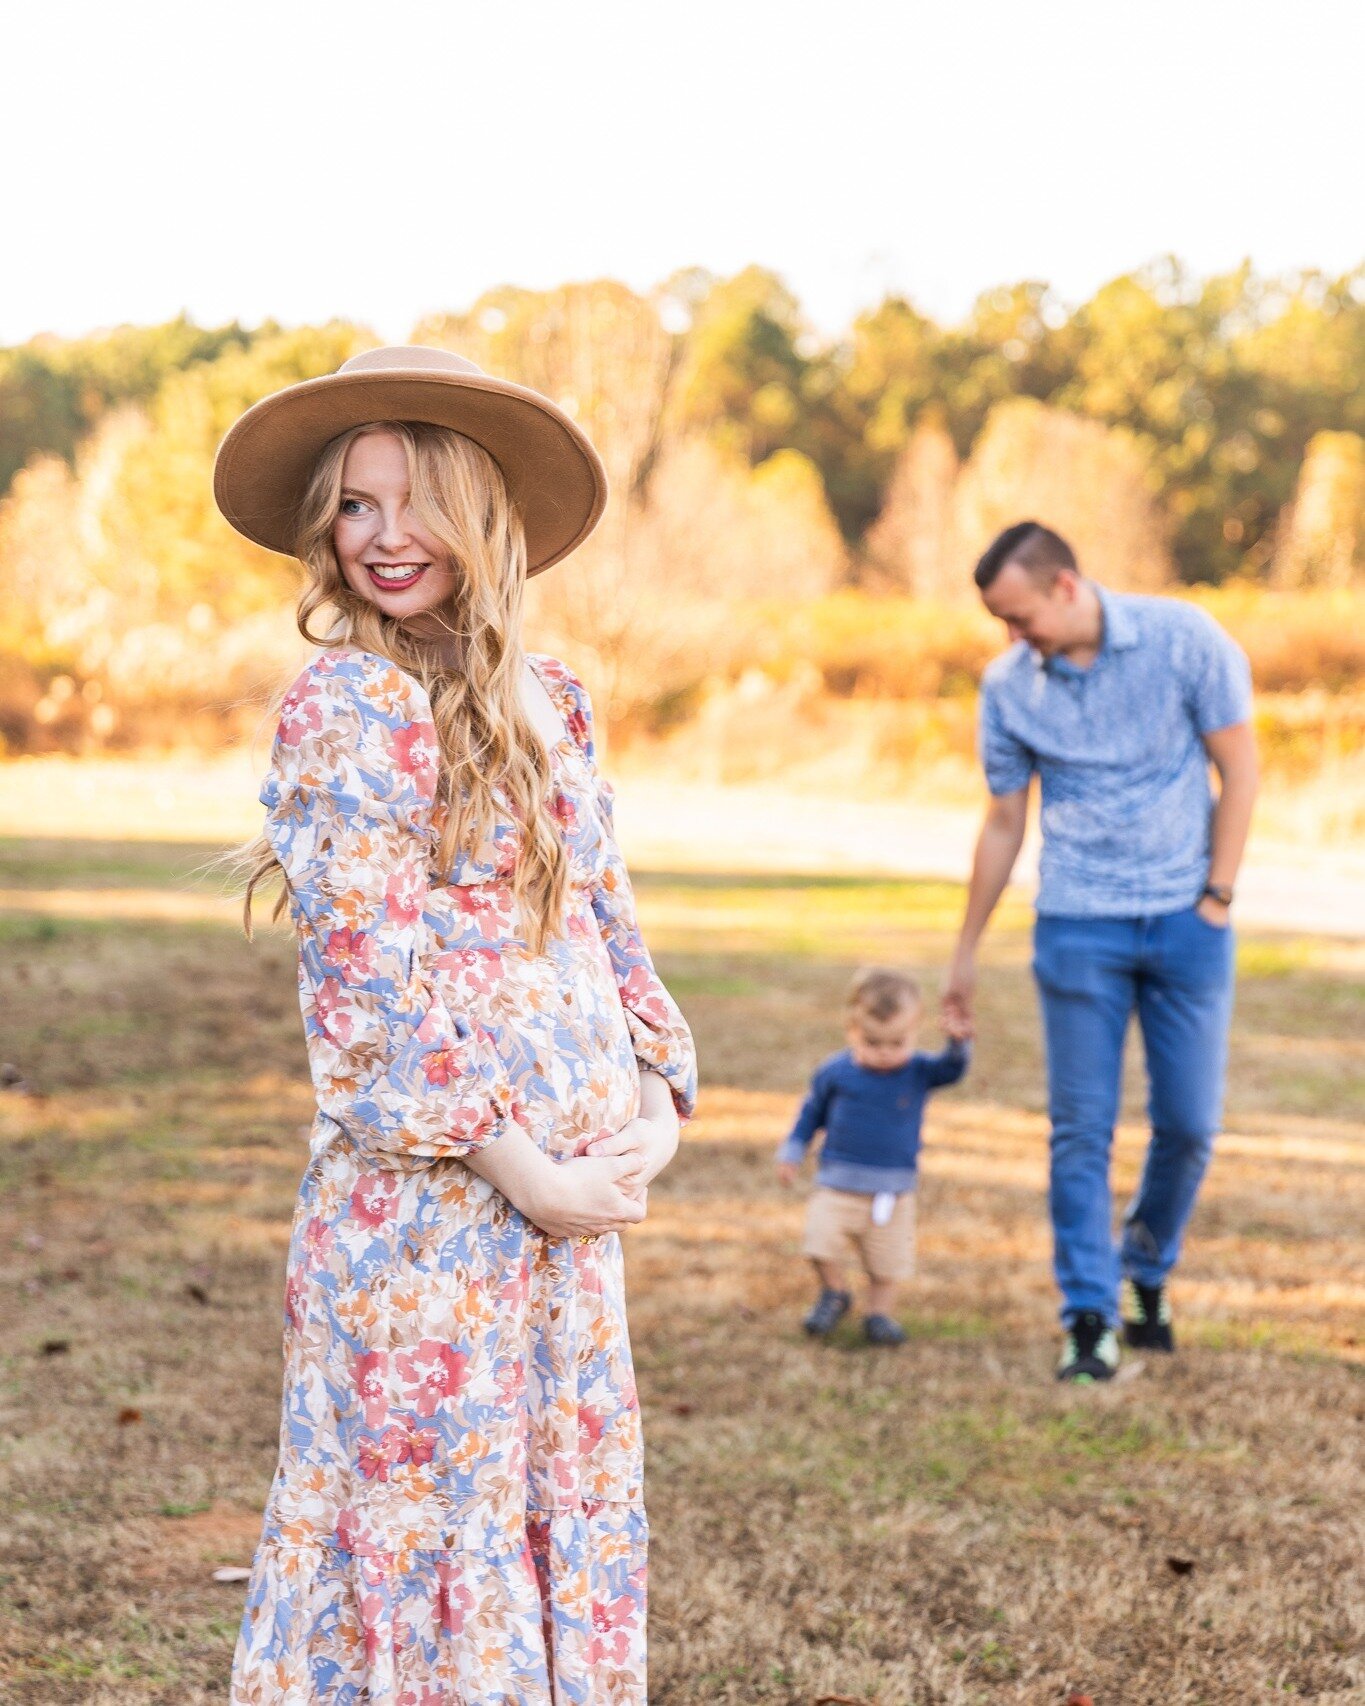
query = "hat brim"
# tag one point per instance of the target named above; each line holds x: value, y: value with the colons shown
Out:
x: 554, y: 476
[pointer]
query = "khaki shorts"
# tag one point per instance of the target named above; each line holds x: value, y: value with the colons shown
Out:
x: 839, y: 1229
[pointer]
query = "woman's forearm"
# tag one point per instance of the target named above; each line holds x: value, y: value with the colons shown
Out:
x: 514, y: 1165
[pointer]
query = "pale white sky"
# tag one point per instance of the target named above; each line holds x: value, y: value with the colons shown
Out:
x: 308, y: 158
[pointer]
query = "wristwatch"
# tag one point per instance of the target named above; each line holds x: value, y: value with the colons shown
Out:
x: 1221, y: 892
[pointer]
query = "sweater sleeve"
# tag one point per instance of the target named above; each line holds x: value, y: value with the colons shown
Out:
x: 810, y: 1118
x: 661, y: 1037
x: 349, y: 804
x: 948, y: 1065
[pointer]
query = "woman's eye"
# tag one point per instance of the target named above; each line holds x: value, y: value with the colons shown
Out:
x: 351, y: 506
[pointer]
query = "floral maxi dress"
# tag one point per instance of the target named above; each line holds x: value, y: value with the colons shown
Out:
x: 457, y: 1515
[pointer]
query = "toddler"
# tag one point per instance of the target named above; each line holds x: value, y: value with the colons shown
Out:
x: 869, y: 1100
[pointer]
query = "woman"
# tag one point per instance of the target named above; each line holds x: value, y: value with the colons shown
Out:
x: 457, y: 1512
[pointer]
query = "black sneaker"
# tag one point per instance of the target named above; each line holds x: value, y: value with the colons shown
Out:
x: 830, y: 1309
x: 1147, y: 1323
x: 1090, y: 1351
x: 882, y: 1330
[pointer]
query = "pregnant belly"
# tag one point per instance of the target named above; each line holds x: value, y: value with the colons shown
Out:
x: 558, y: 1027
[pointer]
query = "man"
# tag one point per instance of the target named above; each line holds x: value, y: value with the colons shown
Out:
x: 1119, y: 704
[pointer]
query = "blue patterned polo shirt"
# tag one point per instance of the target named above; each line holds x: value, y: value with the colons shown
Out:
x: 1126, y: 800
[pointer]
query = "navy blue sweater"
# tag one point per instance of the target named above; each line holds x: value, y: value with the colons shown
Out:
x: 871, y: 1120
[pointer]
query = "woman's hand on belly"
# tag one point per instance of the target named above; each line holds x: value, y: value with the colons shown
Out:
x: 585, y: 1196
x: 651, y: 1140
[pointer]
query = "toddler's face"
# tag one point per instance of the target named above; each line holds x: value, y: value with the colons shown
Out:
x: 884, y: 1045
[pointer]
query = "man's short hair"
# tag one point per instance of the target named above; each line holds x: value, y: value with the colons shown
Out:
x: 1032, y: 546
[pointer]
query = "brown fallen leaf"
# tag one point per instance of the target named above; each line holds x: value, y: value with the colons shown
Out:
x: 197, y: 1292
x: 128, y: 1415
x: 1180, y: 1566
x: 684, y: 1409
x: 56, y: 1347
x: 1079, y: 1700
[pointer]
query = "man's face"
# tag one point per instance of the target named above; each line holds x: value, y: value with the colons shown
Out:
x: 1038, y: 611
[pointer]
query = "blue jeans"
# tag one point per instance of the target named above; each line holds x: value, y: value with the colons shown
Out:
x: 1176, y: 970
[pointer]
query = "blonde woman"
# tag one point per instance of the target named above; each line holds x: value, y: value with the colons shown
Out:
x: 457, y: 1512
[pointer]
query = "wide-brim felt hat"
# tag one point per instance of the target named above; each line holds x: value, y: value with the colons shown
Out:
x: 554, y: 476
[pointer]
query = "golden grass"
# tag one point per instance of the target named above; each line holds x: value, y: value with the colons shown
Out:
x: 939, y: 1526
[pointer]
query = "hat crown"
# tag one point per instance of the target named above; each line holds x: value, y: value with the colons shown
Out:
x: 410, y: 358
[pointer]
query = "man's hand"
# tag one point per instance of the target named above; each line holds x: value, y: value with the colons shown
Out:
x: 959, y: 997
x: 1214, y: 912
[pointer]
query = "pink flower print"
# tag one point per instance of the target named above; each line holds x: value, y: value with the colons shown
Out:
x: 295, y: 1291
x: 482, y: 971
x: 348, y: 1530
x: 378, y: 1456
x: 375, y: 1622
x: 405, y: 894
x: 300, y: 715
x: 374, y: 1200
x: 421, y: 1446
x: 441, y: 1065
x: 512, y: 1293
x: 352, y: 953
x: 431, y: 1374
x: 415, y: 753
x: 637, y: 989
x: 318, y: 1238
x: 456, y: 1600
x: 591, y: 1423
x: 372, y: 1385
x: 329, y: 1003
x: 610, y: 1630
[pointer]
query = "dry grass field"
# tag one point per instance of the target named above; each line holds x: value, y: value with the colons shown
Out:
x: 938, y: 1525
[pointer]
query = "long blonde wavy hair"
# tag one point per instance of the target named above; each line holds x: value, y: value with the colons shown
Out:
x: 485, y: 738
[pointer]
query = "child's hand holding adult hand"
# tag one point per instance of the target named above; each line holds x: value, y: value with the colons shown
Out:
x: 787, y: 1174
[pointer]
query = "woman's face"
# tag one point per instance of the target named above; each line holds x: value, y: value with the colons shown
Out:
x: 384, y: 553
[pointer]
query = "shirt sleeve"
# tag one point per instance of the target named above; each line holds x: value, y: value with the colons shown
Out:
x: 349, y: 807
x: 1217, y: 675
x: 661, y: 1037
x: 948, y: 1066
x: 1006, y: 760
x: 811, y: 1118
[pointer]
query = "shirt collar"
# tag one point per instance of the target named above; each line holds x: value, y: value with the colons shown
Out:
x: 1120, y: 630
x: 1120, y: 634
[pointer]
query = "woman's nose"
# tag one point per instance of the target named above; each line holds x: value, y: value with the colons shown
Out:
x: 393, y: 529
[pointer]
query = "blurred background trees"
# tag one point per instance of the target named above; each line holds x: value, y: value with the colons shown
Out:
x: 1180, y: 431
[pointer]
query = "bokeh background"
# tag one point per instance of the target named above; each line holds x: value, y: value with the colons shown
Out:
x: 838, y: 294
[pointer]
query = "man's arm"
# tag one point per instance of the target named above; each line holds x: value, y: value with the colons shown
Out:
x: 1232, y: 752
x: 997, y: 848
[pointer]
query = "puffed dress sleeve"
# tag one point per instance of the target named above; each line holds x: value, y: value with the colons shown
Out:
x: 663, y: 1042
x: 350, y: 802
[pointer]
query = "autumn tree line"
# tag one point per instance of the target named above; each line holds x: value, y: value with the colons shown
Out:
x: 778, y: 498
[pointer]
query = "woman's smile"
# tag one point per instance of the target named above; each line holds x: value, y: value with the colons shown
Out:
x: 395, y: 577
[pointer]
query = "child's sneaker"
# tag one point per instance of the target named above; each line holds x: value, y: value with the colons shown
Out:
x: 882, y: 1330
x: 829, y: 1310
x: 1090, y: 1351
x: 1147, y: 1322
